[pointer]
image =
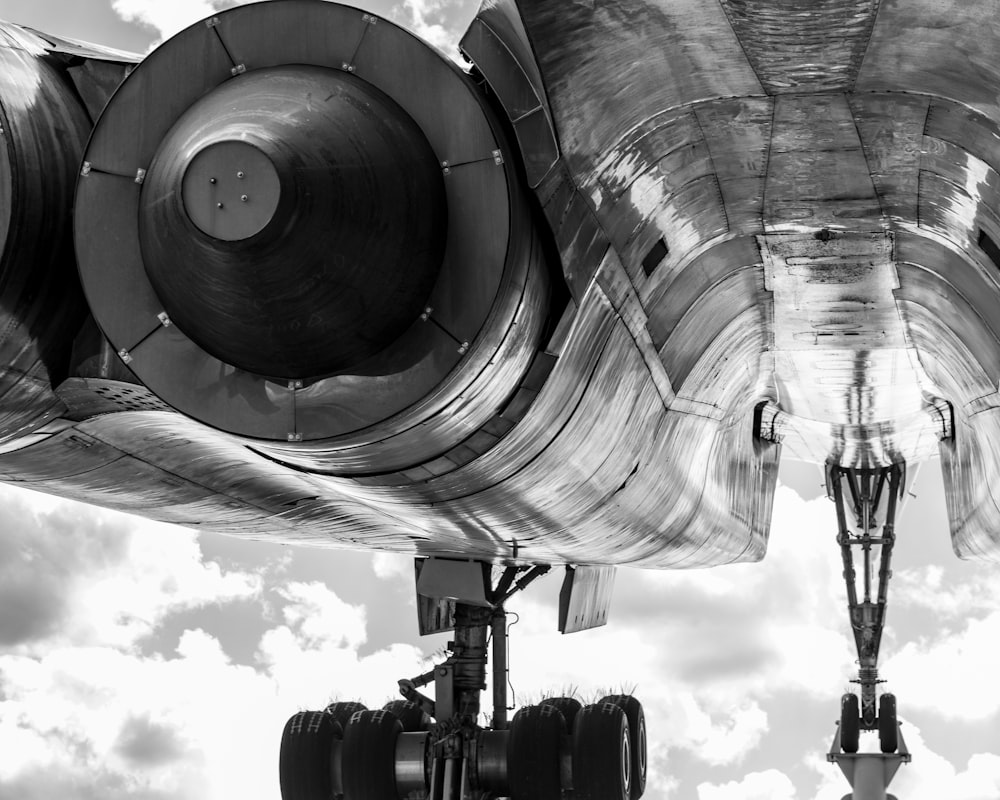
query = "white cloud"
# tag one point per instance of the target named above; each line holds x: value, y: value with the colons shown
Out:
x: 970, y: 660
x: 165, y: 18
x: 73, y: 575
x: 929, y: 588
x: 441, y: 23
x: 768, y: 785
x: 434, y: 21
x: 393, y: 566
x: 86, y: 712
x: 188, y: 724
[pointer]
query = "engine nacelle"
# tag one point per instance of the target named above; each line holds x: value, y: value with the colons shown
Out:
x: 298, y: 223
x: 43, y: 127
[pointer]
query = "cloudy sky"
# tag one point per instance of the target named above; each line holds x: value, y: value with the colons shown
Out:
x: 145, y: 661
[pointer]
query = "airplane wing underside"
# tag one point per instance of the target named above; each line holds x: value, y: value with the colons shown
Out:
x: 640, y: 250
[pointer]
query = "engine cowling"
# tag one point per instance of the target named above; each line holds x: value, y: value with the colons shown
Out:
x: 43, y: 128
x: 300, y: 224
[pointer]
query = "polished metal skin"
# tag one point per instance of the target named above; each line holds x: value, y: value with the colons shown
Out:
x: 289, y: 178
x: 656, y: 242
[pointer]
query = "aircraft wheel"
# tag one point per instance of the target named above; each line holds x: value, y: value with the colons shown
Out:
x: 412, y: 716
x: 533, y: 753
x: 342, y: 712
x: 602, y: 754
x: 369, y: 756
x: 304, y: 769
x: 888, y: 732
x: 637, y: 738
x: 850, y: 723
x: 569, y: 707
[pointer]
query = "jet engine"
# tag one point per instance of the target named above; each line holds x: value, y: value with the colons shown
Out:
x: 43, y: 128
x: 299, y: 224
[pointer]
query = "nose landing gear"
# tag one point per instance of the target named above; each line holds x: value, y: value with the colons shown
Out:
x: 420, y: 748
x: 869, y: 491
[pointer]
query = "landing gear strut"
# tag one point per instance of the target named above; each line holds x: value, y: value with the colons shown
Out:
x: 423, y: 748
x: 869, y: 492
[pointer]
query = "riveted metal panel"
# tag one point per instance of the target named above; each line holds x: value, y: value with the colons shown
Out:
x: 226, y: 397
x: 677, y: 294
x: 294, y: 32
x: 938, y: 49
x: 476, y: 252
x: 42, y: 129
x: 107, y: 234
x: 146, y: 105
x: 430, y: 89
x: 497, y: 44
x: 681, y: 53
x: 345, y: 403
x: 805, y: 46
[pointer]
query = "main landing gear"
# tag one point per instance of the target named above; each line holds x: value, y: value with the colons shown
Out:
x: 869, y: 492
x: 417, y: 748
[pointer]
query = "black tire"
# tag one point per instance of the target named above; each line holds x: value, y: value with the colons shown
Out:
x: 602, y: 754
x: 412, y: 716
x: 342, y: 712
x: 637, y: 734
x: 306, y: 749
x: 533, y: 753
x: 569, y: 707
x: 850, y: 723
x: 888, y: 731
x: 368, y: 756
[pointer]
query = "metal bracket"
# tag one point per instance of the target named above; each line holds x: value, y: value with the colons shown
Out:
x: 295, y: 437
x: 164, y: 319
x: 869, y: 774
x: 125, y: 356
x: 371, y: 19
x: 85, y: 169
x: 239, y: 69
x: 347, y: 67
x: 497, y: 157
x: 140, y: 176
x: 211, y: 22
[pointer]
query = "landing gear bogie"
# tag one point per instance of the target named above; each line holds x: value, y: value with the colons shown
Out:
x: 435, y: 747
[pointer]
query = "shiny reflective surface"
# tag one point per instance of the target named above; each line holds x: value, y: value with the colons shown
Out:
x: 846, y: 153
x: 323, y: 212
x: 43, y: 127
x: 773, y: 221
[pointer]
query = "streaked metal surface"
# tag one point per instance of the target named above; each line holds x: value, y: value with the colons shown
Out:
x: 43, y: 127
x: 873, y: 120
x: 772, y: 214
